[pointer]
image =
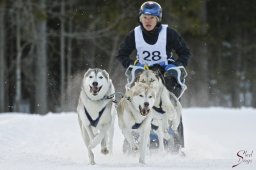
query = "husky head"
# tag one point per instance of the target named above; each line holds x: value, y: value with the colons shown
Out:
x: 151, y: 78
x: 96, y: 83
x: 143, y: 97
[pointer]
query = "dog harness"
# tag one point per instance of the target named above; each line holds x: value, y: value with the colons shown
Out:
x: 137, y: 125
x: 95, y: 122
x: 154, y: 127
x: 159, y: 109
x: 148, y: 54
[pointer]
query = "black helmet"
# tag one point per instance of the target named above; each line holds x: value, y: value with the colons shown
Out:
x: 151, y: 8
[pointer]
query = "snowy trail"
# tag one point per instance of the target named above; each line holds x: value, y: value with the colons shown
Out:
x: 213, y: 136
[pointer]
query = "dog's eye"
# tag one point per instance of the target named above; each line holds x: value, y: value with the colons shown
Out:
x: 90, y: 77
x: 101, y: 77
x: 150, y: 97
x: 141, y: 95
x: 152, y: 80
x: 143, y: 81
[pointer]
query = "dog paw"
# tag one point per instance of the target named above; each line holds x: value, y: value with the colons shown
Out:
x: 135, y: 147
x: 92, y: 163
x: 104, y: 151
x: 142, y: 161
x: 182, y: 152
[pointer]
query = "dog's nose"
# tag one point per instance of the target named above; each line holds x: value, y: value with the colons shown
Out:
x: 95, y: 83
x: 146, y: 104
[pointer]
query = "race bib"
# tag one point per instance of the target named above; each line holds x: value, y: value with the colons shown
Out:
x: 151, y: 54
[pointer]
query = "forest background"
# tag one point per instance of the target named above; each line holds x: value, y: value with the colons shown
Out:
x: 46, y: 46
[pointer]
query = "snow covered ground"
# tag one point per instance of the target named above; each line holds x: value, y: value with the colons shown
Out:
x: 215, y: 138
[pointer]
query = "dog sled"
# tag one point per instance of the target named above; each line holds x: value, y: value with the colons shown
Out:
x: 175, y: 141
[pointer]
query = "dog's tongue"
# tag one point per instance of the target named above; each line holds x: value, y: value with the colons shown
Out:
x: 144, y: 111
x: 94, y: 89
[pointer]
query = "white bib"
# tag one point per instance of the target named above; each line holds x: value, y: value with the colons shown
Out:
x: 151, y: 54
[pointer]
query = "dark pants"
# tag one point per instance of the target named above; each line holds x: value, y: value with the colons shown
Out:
x: 173, y: 86
x: 170, y: 82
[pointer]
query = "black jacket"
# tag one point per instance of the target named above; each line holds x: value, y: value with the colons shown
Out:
x: 174, y: 43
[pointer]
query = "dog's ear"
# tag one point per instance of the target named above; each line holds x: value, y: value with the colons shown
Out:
x: 128, y: 92
x: 87, y: 72
x: 106, y: 74
x: 157, y: 73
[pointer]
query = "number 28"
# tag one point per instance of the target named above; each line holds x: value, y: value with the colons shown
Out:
x: 155, y: 56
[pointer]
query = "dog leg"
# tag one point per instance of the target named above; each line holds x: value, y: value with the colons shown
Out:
x: 104, y: 148
x: 86, y: 140
x: 90, y: 132
x: 145, y: 131
x: 98, y: 138
x: 90, y: 153
x: 111, y: 136
x: 82, y: 120
x: 160, y: 139
x: 176, y: 122
x: 130, y: 138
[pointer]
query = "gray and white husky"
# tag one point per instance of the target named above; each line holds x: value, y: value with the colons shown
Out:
x: 135, y: 115
x: 167, y: 108
x: 96, y: 111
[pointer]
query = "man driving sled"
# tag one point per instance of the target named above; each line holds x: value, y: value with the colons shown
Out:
x: 154, y: 43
